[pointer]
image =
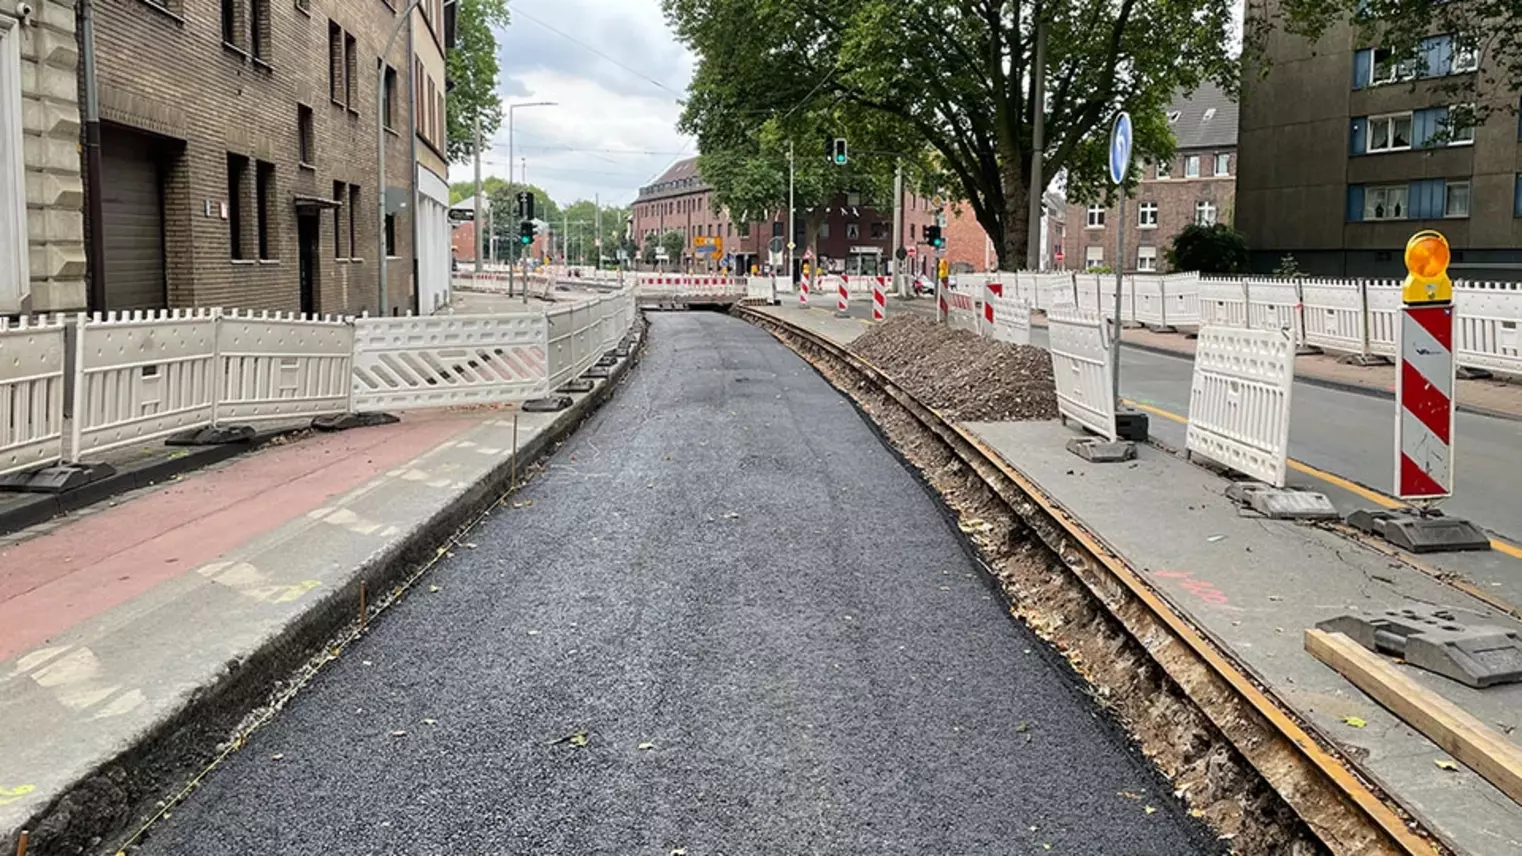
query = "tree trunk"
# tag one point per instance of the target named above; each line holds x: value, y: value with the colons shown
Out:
x: 1011, y: 245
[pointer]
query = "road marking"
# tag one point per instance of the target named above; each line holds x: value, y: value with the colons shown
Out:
x: 1380, y: 499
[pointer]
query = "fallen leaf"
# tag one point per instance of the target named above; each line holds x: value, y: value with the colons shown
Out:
x: 434, y: 589
x: 533, y: 633
x: 1149, y: 809
x: 1130, y: 795
x: 1447, y: 765
x: 646, y: 746
x: 398, y: 733
x: 733, y: 515
x: 579, y: 738
x: 1355, y: 721
x: 430, y: 722
x: 1194, y: 812
x: 277, y: 756
x: 1022, y: 727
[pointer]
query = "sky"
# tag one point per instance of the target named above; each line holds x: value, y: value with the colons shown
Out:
x: 614, y: 129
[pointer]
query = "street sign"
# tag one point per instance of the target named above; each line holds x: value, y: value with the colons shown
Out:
x: 791, y: 245
x: 913, y: 251
x: 1121, y: 138
x: 1059, y: 256
x: 459, y: 215
x: 901, y: 253
x: 715, y: 244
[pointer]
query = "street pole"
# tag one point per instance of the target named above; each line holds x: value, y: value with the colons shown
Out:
x: 1120, y: 266
x: 597, y: 229
x: 790, y: 231
x: 1033, y: 260
x: 898, y: 230
x: 480, y: 203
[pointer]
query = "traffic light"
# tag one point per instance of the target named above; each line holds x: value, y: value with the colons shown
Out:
x: 838, y: 151
x: 525, y: 205
x: 933, y: 237
x: 526, y: 232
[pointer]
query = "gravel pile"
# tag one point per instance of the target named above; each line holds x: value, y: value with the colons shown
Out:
x: 964, y: 376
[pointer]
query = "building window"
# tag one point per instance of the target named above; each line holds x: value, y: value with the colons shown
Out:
x: 913, y: 232
x: 1466, y: 58
x: 1387, y: 70
x: 743, y: 229
x: 354, y: 216
x: 1146, y: 215
x: 1205, y: 213
x: 1391, y: 133
x: 824, y: 230
x: 1516, y: 198
x: 335, y: 62
x: 1093, y: 257
x: 259, y: 28
x: 307, y: 135
x: 1146, y: 259
x: 237, y: 173
x: 1456, y: 200
x: 1192, y: 166
x: 879, y: 231
x: 853, y: 231
x: 351, y: 72
x: 390, y: 101
x: 1459, y: 122
x: 1385, y: 203
x: 339, y: 192
x: 264, y: 189
x: 1223, y: 164
x: 777, y: 229
x: 391, y: 236
x: 1096, y: 217
x: 230, y: 22
x: 1164, y: 169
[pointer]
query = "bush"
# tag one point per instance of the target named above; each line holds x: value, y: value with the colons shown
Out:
x: 1209, y: 249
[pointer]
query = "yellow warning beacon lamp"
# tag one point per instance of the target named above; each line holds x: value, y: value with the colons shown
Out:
x: 1427, y: 281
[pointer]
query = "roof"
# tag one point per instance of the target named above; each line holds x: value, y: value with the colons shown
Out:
x: 469, y: 204
x: 1205, y: 119
x: 680, y: 178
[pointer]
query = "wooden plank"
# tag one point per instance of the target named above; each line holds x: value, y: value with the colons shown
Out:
x: 1467, y: 739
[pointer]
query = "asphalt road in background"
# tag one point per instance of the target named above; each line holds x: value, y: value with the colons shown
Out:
x: 764, y: 632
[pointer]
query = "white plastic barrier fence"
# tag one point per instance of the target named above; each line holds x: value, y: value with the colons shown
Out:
x: 1054, y: 289
x: 31, y: 393
x: 1488, y: 335
x: 1007, y: 314
x: 1334, y: 315
x: 1081, y: 365
x: 1223, y: 302
x: 761, y: 288
x: 142, y: 376
x: 274, y: 367
x: 1147, y: 303
x: 574, y: 340
x: 1181, y: 299
x: 1384, y: 318
x: 1090, y: 291
x: 961, y: 312
x: 1239, y: 401
x: 448, y: 360
x: 1275, y: 305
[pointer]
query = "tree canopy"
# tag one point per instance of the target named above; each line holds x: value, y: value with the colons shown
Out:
x: 951, y: 83
x: 472, y: 70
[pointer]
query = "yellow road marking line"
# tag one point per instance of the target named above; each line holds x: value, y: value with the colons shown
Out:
x: 1369, y: 494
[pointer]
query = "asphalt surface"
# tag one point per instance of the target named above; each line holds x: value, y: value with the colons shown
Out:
x: 725, y: 567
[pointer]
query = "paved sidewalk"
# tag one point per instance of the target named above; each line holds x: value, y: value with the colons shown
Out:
x: 155, y: 623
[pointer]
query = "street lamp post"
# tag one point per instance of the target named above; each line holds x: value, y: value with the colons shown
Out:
x: 380, y: 146
x: 510, y: 108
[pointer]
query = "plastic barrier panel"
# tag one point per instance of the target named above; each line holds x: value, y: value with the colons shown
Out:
x: 142, y: 376
x: 1333, y: 313
x: 1092, y: 294
x: 31, y: 393
x: 1488, y: 316
x: 1181, y: 299
x: 1223, y: 303
x: 1239, y: 401
x: 1081, y: 365
x: 961, y: 310
x: 1147, y: 302
x: 1275, y: 305
x: 1009, y: 316
x: 1055, y: 289
x: 281, y: 367
x: 1384, y: 317
x: 447, y: 360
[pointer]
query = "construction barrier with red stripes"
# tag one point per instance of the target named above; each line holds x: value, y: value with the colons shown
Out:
x: 1424, y: 389
x: 879, y: 298
x: 682, y: 289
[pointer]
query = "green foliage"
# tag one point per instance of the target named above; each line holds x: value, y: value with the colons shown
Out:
x: 1208, y: 249
x: 651, y: 247
x: 1289, y: 267
x: 472, y: 70
x: 674, y: 244
x: 947, y: 84
x: 582, y: 217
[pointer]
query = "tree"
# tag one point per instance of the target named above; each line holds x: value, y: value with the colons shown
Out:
x: 955, y: 79
x: 673, y: 242
x: 504, y: 207
x: 1208, y: 249
x: 472, y: 70
x: 652, y: 246
x: 462, y: 190
x: 1488, y: 30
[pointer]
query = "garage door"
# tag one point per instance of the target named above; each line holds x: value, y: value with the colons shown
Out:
x: 133, y: 210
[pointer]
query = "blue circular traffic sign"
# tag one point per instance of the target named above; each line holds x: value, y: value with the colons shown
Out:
x: 1120, y: 148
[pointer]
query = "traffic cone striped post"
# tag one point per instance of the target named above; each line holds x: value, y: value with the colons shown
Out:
x: 842, y: 300
x: 879, y: 298
x: 803, y: 291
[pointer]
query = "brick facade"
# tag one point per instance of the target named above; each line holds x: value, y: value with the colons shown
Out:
x: 681, y: 201
x: 166, y: 73
x: 49, y: 274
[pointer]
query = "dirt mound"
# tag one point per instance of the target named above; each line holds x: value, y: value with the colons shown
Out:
x: 964, y: 376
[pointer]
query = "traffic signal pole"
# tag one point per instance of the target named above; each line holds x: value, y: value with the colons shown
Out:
x: 899, y: 283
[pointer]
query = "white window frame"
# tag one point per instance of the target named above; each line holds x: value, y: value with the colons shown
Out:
x: 1192, y: 166
x: 15, y: 274
x: 1089, y: 261
x: 1395, y: 71
x: 1203, y: 208
x: 1143, y: 220
x: 1146, y: 259
x: 1389, y: 120
x: 1219, y: 169
x: 1448, y: 196
x: 1385, y: 191
x: 1454, y: 131
x: 1165, y: 169
x: 1094, y: 217
x: 1464, y: 60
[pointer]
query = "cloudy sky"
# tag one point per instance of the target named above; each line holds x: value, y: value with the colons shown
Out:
x: 616, y: 73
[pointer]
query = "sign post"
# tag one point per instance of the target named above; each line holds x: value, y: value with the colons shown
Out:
x: 1424, y: 413
x: 1129, y: 424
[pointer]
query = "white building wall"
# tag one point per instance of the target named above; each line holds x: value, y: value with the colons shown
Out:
x: 433, y: 256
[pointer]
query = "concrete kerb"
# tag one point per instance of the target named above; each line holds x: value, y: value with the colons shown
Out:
x: 123, y: 789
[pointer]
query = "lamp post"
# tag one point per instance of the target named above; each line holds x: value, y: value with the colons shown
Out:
x: 380, y: 147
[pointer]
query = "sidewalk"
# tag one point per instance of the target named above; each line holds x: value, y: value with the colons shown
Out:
x: 134, y: 638
x: 1254, y: 586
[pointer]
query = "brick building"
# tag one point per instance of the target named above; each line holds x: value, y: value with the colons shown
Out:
x: 969, y: 250
x: 851, y: 236
x: 239, y: 150
x: 1197, y: 186
x: 42, y: 254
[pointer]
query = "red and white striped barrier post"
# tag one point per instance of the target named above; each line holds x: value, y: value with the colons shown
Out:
x: 803, y: 290
x: 879, y: 298
x: 991, y: 289
x: 1424, y: 389
x: 842, y: 300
